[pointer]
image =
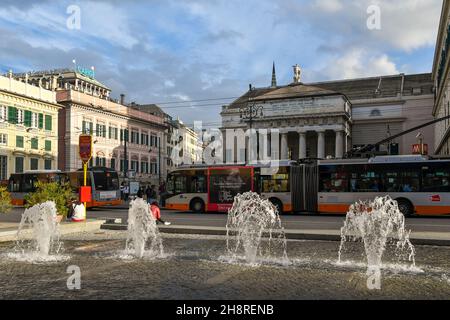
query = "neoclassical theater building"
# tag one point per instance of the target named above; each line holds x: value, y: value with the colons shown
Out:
x: 327, y: 119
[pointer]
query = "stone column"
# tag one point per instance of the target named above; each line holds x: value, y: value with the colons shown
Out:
x: 302, y: 145
x: 339, y: 144
x: 321, y: 144
x: 284, y: 146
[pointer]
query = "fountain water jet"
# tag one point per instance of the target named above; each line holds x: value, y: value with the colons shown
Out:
x: 41, y: 219
x: 143, y: 234
x: 377, y: 223
x: 248, y: 220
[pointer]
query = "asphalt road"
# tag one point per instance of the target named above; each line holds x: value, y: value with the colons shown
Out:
x: 304, y: 222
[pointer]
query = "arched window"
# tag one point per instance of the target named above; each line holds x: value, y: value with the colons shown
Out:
x: 375, y: 113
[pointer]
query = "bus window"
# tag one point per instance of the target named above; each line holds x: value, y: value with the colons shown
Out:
x: 198, y: 184
x: 180, y: 184
x: 14, y: 183
x: 392, y: 182
x: 410, y: 182
x: 105, y: 181
x: 275, y: 183
x: 366, y: 182
x: 334, y: 180
x: 436, y: 179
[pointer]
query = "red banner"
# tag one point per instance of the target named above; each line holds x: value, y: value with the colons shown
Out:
x: 420, y: 149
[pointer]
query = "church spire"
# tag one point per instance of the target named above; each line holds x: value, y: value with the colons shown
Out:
x: 274, y: 77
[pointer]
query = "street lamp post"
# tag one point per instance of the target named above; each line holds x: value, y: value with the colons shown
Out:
x: 249, y: 113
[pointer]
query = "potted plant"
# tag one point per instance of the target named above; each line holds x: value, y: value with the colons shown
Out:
x: 5, y: 200
x: 60, y: 193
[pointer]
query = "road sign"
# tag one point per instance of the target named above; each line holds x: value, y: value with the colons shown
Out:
x: 85, y: 147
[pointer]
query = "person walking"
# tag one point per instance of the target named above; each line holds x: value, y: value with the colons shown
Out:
x: 126, y: 191
x: 162, y: 194
x: 149, y: 192
x: 156, y: 212
x: 140, y: 193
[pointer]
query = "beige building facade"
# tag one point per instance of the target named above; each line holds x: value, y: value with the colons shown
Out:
x: 28, y: 127
x: 328, y: 119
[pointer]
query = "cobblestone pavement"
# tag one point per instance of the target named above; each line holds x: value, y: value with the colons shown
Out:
x: 194, y: 269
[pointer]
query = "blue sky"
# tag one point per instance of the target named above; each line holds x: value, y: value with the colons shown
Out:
x: 158, y: 51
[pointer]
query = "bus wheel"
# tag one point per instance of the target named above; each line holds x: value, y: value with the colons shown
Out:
x: 277, y: 203
x: 198, y: 206
x: 405, y: 207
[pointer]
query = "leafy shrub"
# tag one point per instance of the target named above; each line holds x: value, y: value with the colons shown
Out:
x: 61, y: 194
x: 5, y: 200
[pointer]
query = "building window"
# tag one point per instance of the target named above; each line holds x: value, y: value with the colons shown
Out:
x: 100, y: 162
x: 47, y: 164
x: 19, y: 141
x: 3, y: 139
x: 34, y: 164
x: 144, y: 139
x: 113, y: 163
x: 135, y: 137
x: 3, y: 168
x: 34, y: 143
x: 48, y: 145
x: 41, y: 121
x: 134, y: 165
x: 124, y: 135
x: 48, y: 123
x: 113, y: 133
x: 3, y: 113
x: 19, y: 164
x: 87, y: 127
x: 34, y: 120
x: 375, y: 113
x: 100, y: 130
x: 144, y: 167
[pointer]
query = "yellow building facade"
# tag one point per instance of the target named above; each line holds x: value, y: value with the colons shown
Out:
x: 28, y: 127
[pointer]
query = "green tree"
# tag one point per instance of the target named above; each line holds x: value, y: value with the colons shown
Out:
x: 5, y: 200
x: 61, y: 194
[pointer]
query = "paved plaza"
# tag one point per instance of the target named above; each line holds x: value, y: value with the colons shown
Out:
x: 196, y: 267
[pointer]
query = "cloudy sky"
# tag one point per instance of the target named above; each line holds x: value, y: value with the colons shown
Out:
x: 166, y: 51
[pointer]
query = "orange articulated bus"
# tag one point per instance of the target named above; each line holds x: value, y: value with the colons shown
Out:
x: 104, y: 183
x: 421, y: 185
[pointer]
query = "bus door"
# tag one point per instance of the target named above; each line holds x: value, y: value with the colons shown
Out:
x: 304, y: 187
x: 226, y: 183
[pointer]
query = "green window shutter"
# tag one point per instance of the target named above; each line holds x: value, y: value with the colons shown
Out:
x: 91, y: 128
x: 19, y: 141
x: 41, y: 121
x: 109, y: 134
x: 27, y: 118
x: 48, y: 145
x: 97, y: 129
x: 12, y: 115
x: 48, y: 122
x: 34, y: 143
x: 83, y: 127
x: 104, y: 131
x: 121, y: 135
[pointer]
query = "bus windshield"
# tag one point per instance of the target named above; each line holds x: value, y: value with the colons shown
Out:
x: 106, y: 181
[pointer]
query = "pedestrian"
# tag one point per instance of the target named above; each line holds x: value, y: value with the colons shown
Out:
x: 126, y: 191
x: 162, y: 194
x: 151, y: 194
x: 140, y: 193
x: 156, y: 212
x: 148, y: 193
x: 122, y: 191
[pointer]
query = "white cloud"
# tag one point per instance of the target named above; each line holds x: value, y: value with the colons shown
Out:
x: 357, y: 63
x: 329, y: 5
